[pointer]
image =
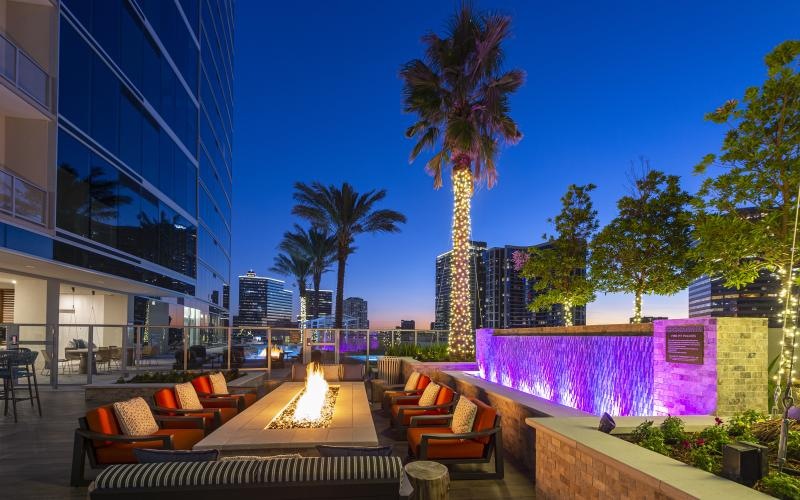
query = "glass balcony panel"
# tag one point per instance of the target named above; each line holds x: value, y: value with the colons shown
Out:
x: 32, y: 79
x: 6, y: 192
x: 29, y: 202
x: 8, y: 59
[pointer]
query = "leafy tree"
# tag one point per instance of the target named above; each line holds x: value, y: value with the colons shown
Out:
x: 558, y: 270
x: 460, y: 96
x: 318, y: 248
x: 746, y: 217
x: 344, y: 213
x: 645, y: 248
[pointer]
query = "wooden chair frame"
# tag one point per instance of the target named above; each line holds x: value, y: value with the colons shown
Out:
x: 494, y: 446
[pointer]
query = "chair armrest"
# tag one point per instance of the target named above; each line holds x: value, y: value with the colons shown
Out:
x: 181, y: 411
x: 198, y: 422
x: 223, y: 402
x: 99, y: 436
x: 399, y: 399
x: 431, y: 407
x: 465, y: 435
x: 422, y: 419
x: 393, y: 387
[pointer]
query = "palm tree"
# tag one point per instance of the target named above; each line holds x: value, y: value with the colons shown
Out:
x: 344, y: 213
x: 296, y: 266
x: 318, y: 248
x: 460, y: 96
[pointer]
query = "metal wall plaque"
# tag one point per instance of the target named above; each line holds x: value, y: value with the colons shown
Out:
x: 685, y: 344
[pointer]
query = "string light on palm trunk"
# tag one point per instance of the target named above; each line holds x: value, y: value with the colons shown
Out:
x: 461, y: 342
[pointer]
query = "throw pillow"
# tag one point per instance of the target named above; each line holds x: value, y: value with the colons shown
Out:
x: 156, y: 456
x: 187, y: 396
x: 463, y: 416
x: 428, y: 397
x: 411, y: 383
x: 135, y: 417
x: 218, y: 383
x: 354, y: 451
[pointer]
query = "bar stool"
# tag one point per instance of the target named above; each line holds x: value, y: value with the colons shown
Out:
x: 16, y: 364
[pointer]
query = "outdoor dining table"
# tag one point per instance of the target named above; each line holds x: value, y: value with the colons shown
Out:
x: 84, y: 354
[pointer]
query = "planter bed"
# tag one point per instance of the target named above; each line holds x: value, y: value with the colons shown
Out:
x: 574, y: 459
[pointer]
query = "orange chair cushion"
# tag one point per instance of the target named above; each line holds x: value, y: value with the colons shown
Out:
x: 122, y: 453
x: 104, y: 421
x: 484, y: 419
x: 249, y: 398
x: 443, y: 448
x: 407, y: 414
x: 165, y: 398
x: 202, y: 385
x: 445, y: 396
x: 424, y: 380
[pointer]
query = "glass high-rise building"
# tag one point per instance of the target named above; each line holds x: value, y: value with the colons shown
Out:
x: 477, y: 279
x: 357, y: 308
x: 708, y: 296
x: 325, y: 303
x: 263, y: 301
x: 116, y: 129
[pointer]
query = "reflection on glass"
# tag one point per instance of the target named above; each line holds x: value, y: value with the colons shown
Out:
x: 29, y: 201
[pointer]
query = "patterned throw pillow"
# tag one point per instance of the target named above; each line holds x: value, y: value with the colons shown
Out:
x: 428, y: 397
x: 218, y: 383
x: 463, y: 416
x: 135, y: 417
x: 412, y: 381
x: 187, y: 396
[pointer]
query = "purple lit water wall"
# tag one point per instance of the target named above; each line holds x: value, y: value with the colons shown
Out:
x: 594, y: 374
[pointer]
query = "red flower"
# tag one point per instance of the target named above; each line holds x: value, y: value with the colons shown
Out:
x: 700, y: 442
x: 686, y: 444
x: 718, y: 420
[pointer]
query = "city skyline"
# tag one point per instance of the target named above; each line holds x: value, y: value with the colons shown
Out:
x: 588, y: 67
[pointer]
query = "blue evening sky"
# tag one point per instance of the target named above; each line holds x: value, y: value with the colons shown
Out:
x: 318, y: 98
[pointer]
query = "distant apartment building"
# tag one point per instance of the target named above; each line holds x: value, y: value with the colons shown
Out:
x: 325, y: 303
x: 760, y: 299
x: 477, y: 279
x: 356, y: 308
x: 263, y: 301
x: 407, y: 324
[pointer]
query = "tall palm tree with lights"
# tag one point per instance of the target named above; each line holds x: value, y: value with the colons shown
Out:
x: 318, y: 247
x: 297, y: 266
x: 344, y: 213
x: 460, y: 95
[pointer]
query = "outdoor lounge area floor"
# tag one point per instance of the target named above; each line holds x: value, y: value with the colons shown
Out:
x: 36, y: 454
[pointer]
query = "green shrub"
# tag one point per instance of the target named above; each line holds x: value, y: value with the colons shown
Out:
x: 793, y: 445
x: 672, y: 428
x: 702, y: 458
x: 740, y: 425
x: 647, y: 436
x: 172, y: 377
x: 642, y: 431
x: 714, y: 437
x: 780, y: 486
x: 433, y: 352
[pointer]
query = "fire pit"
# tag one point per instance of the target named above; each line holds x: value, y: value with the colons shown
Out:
x: 298, y: 415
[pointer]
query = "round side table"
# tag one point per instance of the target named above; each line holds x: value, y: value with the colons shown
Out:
x: 430, y: 480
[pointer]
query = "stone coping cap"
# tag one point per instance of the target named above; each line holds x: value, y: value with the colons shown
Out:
x: 669, y: 474
x: 620, y: 330
x: 535, y: 403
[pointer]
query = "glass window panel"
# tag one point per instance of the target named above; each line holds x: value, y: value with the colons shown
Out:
x: 29, y: 201
x: 6, y: 192
x: 82, y: 9
x: 105, y: 25
x: 149, y: 219
x: 75, y: 84
x: 129, y: 233
x: 73, y: 202
x: 105, y: 201
x: 150, y: 156
x: 132, y: 47
x: 130, y: 131
x: 105, y: 106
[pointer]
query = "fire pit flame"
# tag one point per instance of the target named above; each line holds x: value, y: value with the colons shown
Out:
x: 309, y: 405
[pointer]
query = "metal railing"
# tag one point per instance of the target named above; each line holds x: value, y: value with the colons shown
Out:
x: 23, y: 72
x: 22, y: 199
x: 73, y: 353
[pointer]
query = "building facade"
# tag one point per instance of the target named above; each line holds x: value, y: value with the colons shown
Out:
x: 325, y: 303
x: 477, y: 279
x: 252, y: 300
x: 356, y: 308
x: 279, y: 304
x: 116, y: 155
x: 507, y: 293
x: 407, y: 324
x: 760, y: 299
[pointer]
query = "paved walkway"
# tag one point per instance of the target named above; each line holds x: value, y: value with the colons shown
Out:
x: 36, y: 454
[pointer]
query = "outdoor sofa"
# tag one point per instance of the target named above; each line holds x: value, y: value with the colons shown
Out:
x: 283, y: 478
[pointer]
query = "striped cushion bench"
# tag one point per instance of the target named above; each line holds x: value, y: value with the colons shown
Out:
x: 248, y: 472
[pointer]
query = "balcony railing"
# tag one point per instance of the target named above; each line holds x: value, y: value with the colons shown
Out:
x: 22, y: 71
x: 21, y: 199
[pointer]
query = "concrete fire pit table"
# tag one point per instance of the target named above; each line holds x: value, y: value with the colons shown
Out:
x: 248, y: 432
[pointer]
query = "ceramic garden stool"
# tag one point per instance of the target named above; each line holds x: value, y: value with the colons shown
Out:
x: 430, y: 480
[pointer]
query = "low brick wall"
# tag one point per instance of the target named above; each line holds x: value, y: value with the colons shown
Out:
x: 105, y: 394
x: 574, y: 460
